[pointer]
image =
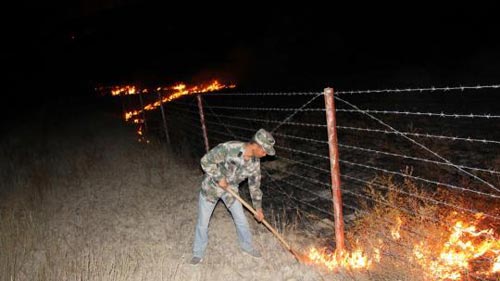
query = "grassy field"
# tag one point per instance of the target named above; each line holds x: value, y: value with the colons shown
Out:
x: 85, y: 201
x: 81, y: 199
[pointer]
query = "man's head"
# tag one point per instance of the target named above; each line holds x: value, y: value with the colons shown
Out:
x: 265, y: 141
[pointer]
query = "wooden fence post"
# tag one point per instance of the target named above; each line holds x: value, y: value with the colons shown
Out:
x: 143, y: 113
x: 202, y: 120
x: 334, y: 168
x: 165, y: 128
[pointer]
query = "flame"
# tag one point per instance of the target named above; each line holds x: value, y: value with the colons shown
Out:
x: 179, y: 90
x: 167, y: 94
x: 455, y: 257
x: 125, y: 90
x: 466, y: 249
x: 340, y: 259
x: 395, y: 231
x: 140, y: 134
x: 376, y: 254
x: 496, y: 265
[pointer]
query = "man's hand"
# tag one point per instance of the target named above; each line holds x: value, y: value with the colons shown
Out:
x: 223, y: 183
x: 259, y: 216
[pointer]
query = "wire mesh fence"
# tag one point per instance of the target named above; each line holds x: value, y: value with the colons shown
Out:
x: 437, y: 147
x: 372, y: 142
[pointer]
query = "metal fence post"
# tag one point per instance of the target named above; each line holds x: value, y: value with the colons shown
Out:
x: 202, y: 120
x: 334, y: 168
x: 165, y: 128
x: 143, y: 113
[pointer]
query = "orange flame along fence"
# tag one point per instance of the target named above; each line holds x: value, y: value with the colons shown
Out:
x: 166, y: 95
x: 462, y: 244
x: 450, y: 259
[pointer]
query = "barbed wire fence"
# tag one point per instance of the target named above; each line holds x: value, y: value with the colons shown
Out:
x: 444, y: 138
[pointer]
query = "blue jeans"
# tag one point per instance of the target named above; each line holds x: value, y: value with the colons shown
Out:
x: 205, y: 210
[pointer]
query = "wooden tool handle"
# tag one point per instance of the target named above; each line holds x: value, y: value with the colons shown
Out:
x: 254, y: 212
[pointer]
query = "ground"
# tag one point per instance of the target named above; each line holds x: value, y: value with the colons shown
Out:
x: 83, y: 200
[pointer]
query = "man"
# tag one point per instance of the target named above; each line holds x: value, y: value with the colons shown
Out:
x: 226, y: 166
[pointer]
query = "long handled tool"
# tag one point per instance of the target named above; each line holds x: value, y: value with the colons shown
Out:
x: 297, y: 255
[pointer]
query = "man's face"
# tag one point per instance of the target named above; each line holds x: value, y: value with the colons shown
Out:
x: 259, y: 151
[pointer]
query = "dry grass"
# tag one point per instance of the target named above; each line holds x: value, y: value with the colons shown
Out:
x: 423, y: 222
x: 85, y: 201
x: 92, y: 204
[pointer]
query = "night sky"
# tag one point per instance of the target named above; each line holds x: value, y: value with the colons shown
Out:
x: 63, y: 50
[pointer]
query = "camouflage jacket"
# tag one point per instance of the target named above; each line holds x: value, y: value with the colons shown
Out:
x: 226, y: 161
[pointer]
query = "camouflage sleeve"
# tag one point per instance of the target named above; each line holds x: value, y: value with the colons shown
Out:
x: 254, y: 187
x: 210, y: 161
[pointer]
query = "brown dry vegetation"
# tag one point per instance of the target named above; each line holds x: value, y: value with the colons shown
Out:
x: 426, y: 219
x: 85, y: 201
x: 90, y: 203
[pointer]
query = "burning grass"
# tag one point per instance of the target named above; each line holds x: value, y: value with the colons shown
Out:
x: 398, y: 236
x: 172, y: 93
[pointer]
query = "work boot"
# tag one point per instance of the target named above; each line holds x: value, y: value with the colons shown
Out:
x: 195, y: 260
x: 254, y: 253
